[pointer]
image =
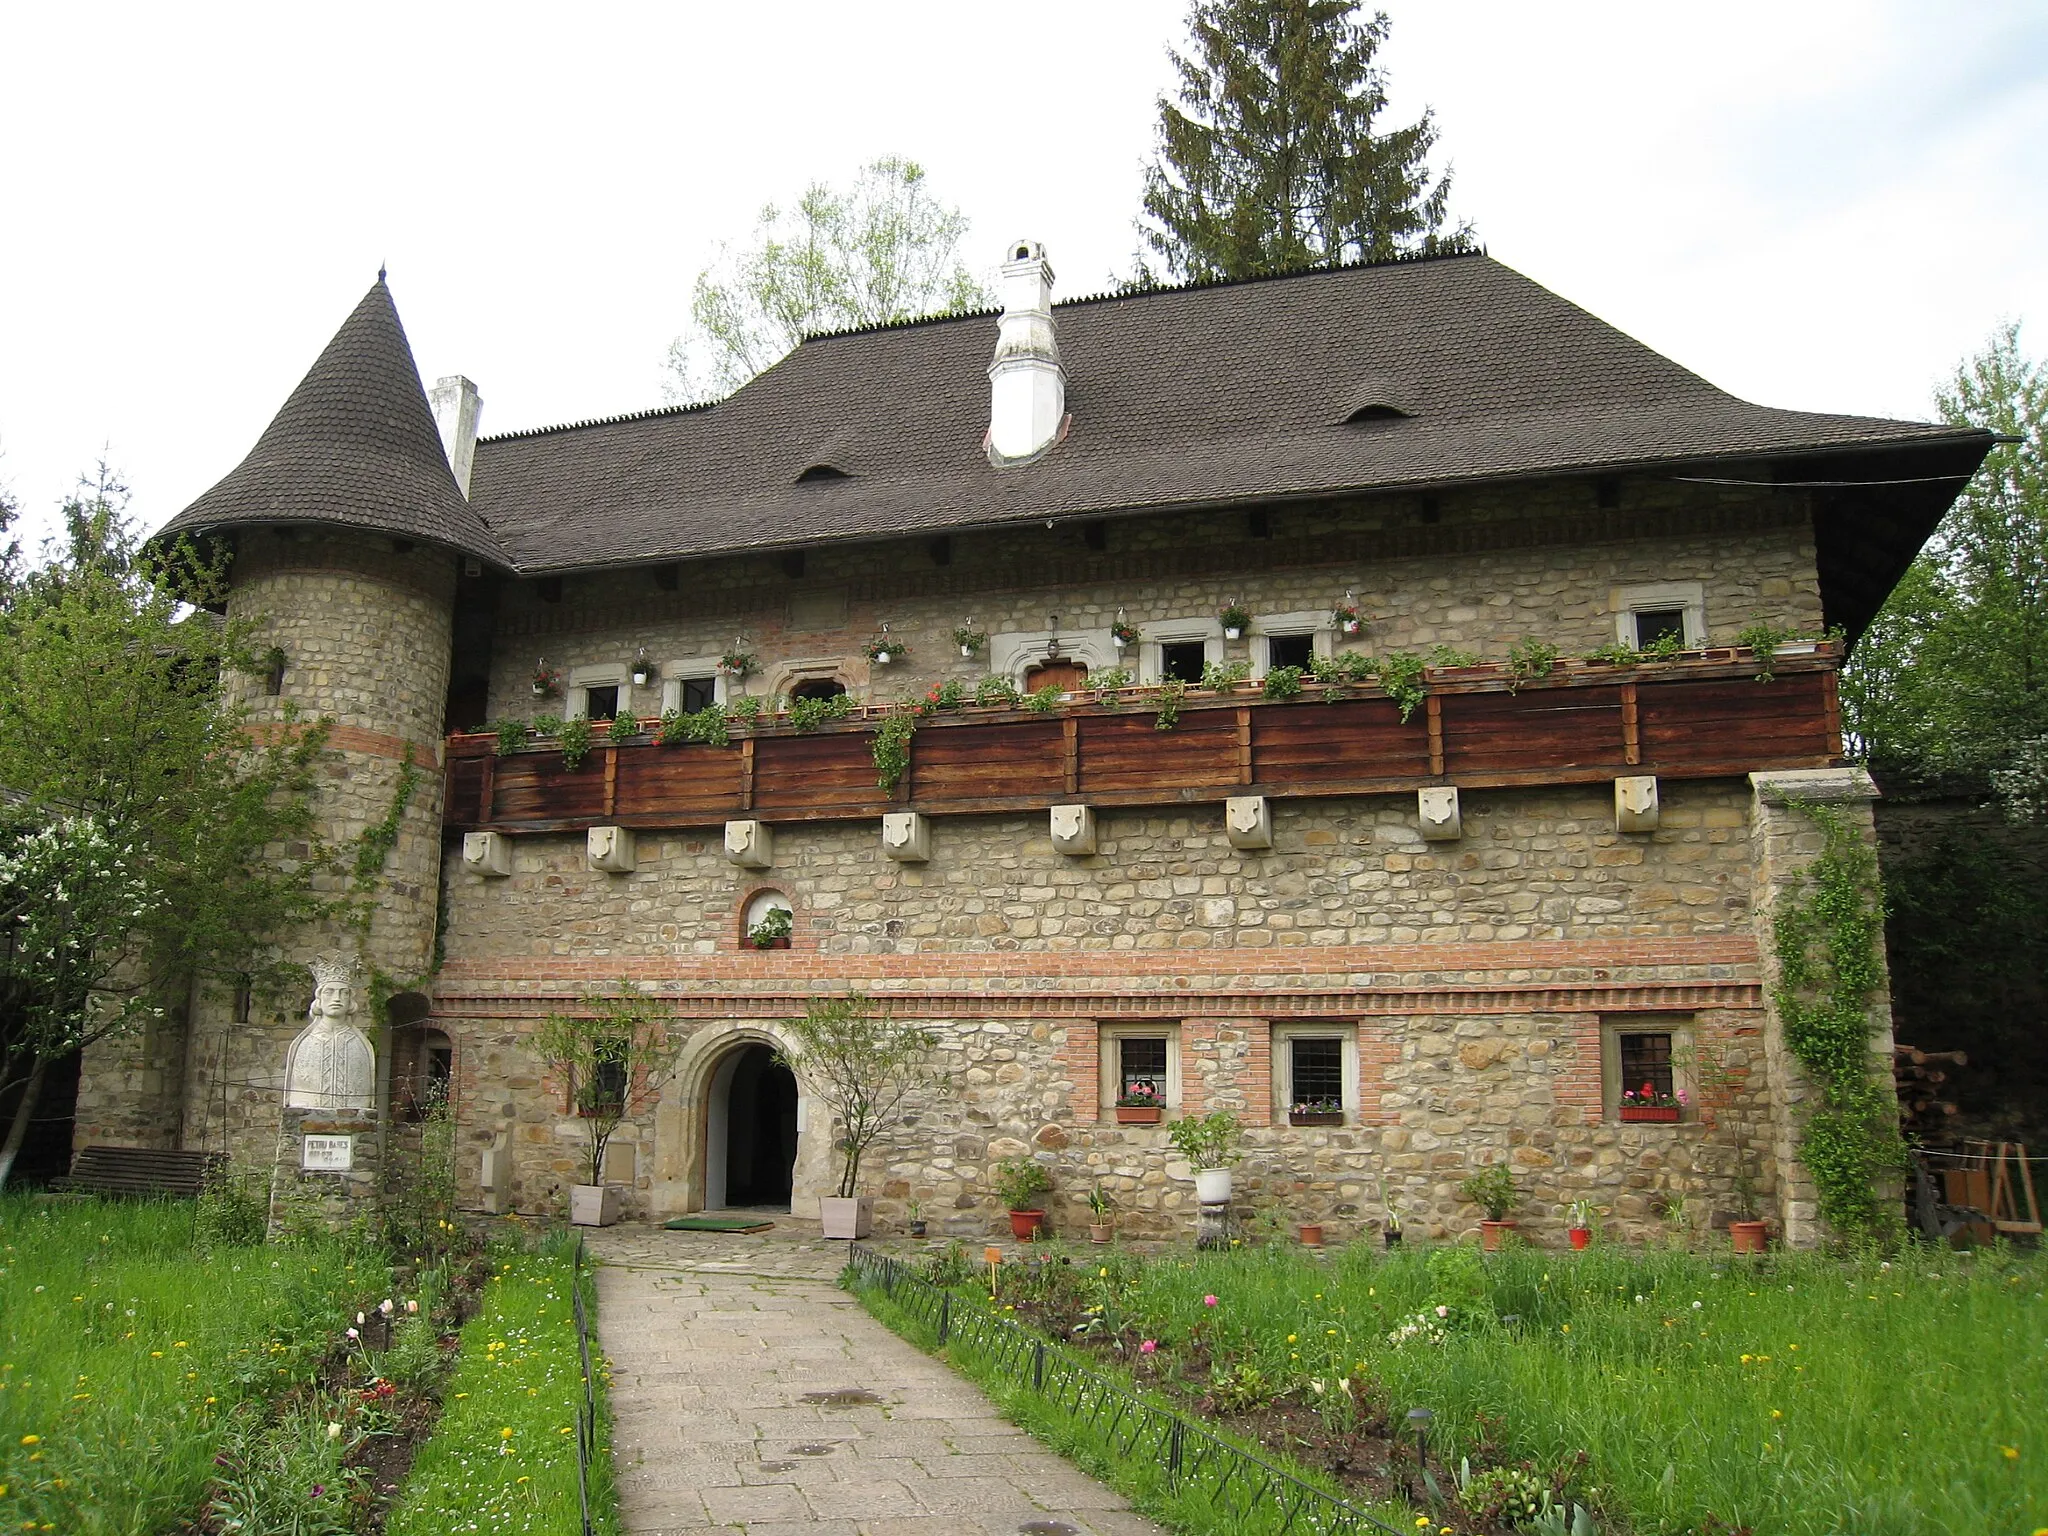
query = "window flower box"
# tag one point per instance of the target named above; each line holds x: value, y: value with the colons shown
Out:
x: 1137, y: 1114
x: 1315, y: 1117
x: 1662, y: 1114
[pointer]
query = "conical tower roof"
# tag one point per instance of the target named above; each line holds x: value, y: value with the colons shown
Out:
x: 354, y: 446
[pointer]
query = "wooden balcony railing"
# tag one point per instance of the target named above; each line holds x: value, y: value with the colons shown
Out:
x: 1703, y: 716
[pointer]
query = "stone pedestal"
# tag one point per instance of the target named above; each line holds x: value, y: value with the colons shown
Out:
x: 1212, y: 1225
x: 330, y: 1160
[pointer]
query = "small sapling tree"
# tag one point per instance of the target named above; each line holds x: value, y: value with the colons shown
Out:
x: 863, y: 1066
x: 615, y: 1053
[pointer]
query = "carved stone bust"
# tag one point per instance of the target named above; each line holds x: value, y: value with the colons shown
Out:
x: 331, y: 1063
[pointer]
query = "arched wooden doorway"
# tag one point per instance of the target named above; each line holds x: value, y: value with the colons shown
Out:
x: 750, y: 1131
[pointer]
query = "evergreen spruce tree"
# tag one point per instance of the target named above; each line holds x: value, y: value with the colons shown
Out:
x: 1269, y: 159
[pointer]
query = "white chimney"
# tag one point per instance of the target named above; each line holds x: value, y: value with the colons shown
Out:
x: 457, y: 408
x: 1027, y: 387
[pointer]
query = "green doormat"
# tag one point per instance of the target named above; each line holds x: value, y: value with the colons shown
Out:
x: 717, y: 1224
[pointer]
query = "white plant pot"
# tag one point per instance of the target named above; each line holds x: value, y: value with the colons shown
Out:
x: 1351, y: 626
x: 1212, y: 1186
x: 1118, y: 642
x: 846, y: 1217
x: 881, y: 658
x: 1798, y: 648
x: 966, y: 650
x: 1232, y: 634
x: 593, y: 1205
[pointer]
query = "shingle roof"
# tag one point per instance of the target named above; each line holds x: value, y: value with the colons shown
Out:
x: 1201, y: 395
x: 355, y: 444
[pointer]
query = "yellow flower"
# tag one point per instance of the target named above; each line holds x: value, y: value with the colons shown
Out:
x: 505, y: 1433
x: 31, y: 1439
x: 1290, y: 1338
x: 1777, y: 1413
x: 2009, y: 1452
x: 1421, y: 1520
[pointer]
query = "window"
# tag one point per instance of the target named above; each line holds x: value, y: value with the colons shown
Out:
x: 1645, y: 614
x: 242, y: 1003
x: 1655, y: 624
x: 1316, y: 1067
x: 818, y: 688
x: 1646, y: 1063
x: 1315, y: 1071
x: 1139, y: 1053
x: 597, y: 692
x: 696, y: 693
x: 1142, y: 1064
x: 1068, y: 674
x: 422, y: 1071
x: 1182, y: 661
x: 605, y: 1093
x: 1290, y: 651
x: 601, y: 702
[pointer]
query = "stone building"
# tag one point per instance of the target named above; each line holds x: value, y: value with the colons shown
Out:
x: 1458, y: 922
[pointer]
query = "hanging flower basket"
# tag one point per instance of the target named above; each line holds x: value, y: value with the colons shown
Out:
x: 547, y: 681
x: 886, y: 649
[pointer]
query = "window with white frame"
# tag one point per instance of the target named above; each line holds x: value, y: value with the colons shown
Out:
x: 1649, y: 612
x: 1315, y: 1070
x: 690, y: 685
x: 1134, y: 1054
x: 598, y: 692
x: 1291, y: 639
x: 1643, y: 1061
x: 1169, y: 649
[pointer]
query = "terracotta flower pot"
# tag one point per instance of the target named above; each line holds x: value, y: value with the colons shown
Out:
x: 1024, y: 1225
x: 1491, y: 1233
x: 781, y: 943
x: 1315, y: 1117
x: 1137, y: 1114
x: 1580, y: 1236
x: 1662, y: 1114
x: 1749, y: 1236
x: 1311, y: 1235
x: 1100, y: 1232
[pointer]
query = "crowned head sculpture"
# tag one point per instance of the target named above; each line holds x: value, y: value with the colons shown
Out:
x: 331, y: 1064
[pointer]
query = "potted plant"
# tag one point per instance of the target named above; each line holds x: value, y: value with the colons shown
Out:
x: 644, y: 671
x: 1236, y: 619
x: 774, y: 929
x: 1579, y: 1223
x: 860, y: 1067
x: 883, y: 649
x: 1747, y: 1232
x: 1210, y: 1143
x: 737, y: 662
x: 1139, y: 1104
x: 1646, y: 1103
x: 1122, y: 633
x: 1099, y: 1207
x: 915, y: 1211
x: 1390, y: 1229
x: 1023, y: 1183
x: 547, y: 680
x: 614, y: 1054
x: 1493, y: 1189
x: 1345, y: 616
x: 1311, y: 1234
x: 1316, y: 1112
x: 969, y: 639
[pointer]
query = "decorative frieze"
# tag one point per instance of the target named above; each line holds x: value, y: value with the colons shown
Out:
x: 1073, y: 829
x: 750, y: 844
x: 1248, y: 821
x: 611, y: 849
x: 906, y: 837
x: 487, y: 853
x: 1635, y: 803
x: 1437, y: 805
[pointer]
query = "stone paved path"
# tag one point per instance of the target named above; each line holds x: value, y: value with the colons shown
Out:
x: 716, y: 1340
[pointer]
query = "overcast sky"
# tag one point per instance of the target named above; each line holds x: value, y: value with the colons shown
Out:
x: 1812, y: 204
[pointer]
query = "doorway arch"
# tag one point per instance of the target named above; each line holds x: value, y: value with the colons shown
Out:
x: 750, y: 1130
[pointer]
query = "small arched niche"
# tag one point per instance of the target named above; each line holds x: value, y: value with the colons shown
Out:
x: 767, y: 920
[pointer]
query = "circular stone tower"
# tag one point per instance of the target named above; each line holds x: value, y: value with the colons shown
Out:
x: 348, y: 533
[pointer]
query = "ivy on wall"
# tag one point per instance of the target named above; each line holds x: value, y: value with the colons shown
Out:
x: 374, y: 847
x: 1826, y: 926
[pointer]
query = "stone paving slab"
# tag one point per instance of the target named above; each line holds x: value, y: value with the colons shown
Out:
x: 716, y: 1338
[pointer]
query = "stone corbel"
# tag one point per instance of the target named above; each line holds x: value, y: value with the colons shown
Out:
x: 750, y: 844
x: 487, y: 853
x: 1438, y: 807
x: 611, y: 849
x: 906, y: 837
x: 1248, y: 821
x: 1635, y: 803
x: 1073, y: 829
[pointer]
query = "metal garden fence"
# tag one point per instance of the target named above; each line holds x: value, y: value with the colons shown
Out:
x: 1196, y: 1460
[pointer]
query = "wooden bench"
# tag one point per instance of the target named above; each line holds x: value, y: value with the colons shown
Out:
x: 145, y: 1171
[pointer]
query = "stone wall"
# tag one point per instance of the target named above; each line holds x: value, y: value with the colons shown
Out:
x: 1474, y: 979
x: 1476, y: 569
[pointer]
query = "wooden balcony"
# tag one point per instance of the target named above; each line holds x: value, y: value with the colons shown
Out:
x: 1701, y: 717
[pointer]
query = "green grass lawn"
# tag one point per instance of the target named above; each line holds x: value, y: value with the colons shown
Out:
x: 122, y: 1351
x: 1796, y: 1394
x: 503, y: 1457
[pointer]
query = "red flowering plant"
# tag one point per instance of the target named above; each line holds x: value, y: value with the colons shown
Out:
x: 1647, y: 1097
x: 1142, y: 1094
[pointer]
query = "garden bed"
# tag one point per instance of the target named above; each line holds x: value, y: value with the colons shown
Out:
x: 1669, y: 1391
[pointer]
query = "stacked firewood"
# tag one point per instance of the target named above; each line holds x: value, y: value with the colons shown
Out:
x: 1923, y: 1113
